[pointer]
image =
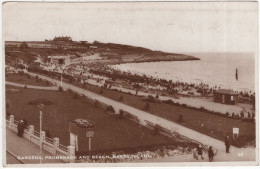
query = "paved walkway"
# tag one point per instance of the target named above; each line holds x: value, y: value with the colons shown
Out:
x: 235, y: 155
x: 31, y: 87
x: 19, y: 148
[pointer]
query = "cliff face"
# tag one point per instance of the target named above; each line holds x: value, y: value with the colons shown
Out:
x: 127, y: 53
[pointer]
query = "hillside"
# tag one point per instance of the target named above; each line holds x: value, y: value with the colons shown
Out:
x: 110, y: 52
x: 127, y: 53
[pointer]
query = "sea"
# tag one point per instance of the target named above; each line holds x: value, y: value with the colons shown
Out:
x: 214, y: 69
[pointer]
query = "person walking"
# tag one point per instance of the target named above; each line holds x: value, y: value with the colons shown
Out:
x: 195, y: 153
x: 210, y: 154
x: 248, y: 115
x: 199, y: 149
x: 227, y: 144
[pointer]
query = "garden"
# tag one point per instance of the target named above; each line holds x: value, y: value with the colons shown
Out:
x: 111, y: 132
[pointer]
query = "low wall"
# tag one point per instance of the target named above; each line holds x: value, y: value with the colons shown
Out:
x: 48, y: 144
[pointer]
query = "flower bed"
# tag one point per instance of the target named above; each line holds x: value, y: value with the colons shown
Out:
x: 121, y: 156
x: 82, y: 123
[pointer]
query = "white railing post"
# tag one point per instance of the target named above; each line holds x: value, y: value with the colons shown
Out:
x: 11, y: 121
x: 31, y: 131
x: 42, y: 136
x: 56, y: 142
x: 71, y: 154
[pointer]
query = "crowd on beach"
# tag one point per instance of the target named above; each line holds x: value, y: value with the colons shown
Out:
x: 145, y: 82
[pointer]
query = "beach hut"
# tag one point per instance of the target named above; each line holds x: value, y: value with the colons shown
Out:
x: 226, y: 96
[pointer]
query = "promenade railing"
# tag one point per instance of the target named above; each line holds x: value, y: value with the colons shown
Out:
x: 50, y: 145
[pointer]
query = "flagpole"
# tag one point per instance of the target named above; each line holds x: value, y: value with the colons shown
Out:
x: 61, y: 79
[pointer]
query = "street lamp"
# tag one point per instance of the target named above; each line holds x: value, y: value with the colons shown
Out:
x: 40, y: 106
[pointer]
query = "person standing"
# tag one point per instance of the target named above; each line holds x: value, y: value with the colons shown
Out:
x: 248, y: 115
x: 210, y: 154
x: 199, y: 149
x: 195, y: 154
x: 227, y: 144
x: 20, y: 128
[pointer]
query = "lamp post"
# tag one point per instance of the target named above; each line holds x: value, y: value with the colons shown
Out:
x: 40, y: 106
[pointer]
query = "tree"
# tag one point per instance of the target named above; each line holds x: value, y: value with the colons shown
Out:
x: 110, y: 109
x: 121, y: 114
x: 147, y: 106
x: 121, y: 98
x: 60, y: 88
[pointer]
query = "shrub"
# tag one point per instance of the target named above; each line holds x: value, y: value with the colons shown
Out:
x: 150, y: 98
x: 60, y: 88
x: 180, y: 119
x: 156, y: 129
x: 184, y: 105
x: 168, y: 101
x: 121, y: 114
x: 157, y: 96
x: 110, y: 109
x: 147, y: 106
x: 25, y: 86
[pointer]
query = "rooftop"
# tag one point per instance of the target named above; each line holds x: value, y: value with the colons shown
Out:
x: 60, y: 56
x: 226, y: 91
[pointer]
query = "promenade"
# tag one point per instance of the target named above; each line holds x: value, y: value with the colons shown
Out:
x: 18, y: 148
x: 30, y: 86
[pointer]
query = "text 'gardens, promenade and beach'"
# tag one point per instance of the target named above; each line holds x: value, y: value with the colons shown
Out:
x: 70, y: 99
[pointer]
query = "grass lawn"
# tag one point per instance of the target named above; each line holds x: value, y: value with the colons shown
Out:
x: 24, y: 79
x: 111, y: 133
x: 213, y: 125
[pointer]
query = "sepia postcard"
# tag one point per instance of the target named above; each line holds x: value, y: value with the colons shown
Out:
x: 130, y: 84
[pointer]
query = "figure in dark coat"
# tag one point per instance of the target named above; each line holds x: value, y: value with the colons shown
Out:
x: 227, y: 143
x: 199, y: 149
x: 20, y: 128
x: 210, y: 154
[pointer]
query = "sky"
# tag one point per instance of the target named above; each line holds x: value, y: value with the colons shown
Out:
x: 180, y: 27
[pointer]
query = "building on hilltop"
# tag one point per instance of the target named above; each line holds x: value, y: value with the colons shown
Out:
x: 226, y: 96
x: 62, y: 38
